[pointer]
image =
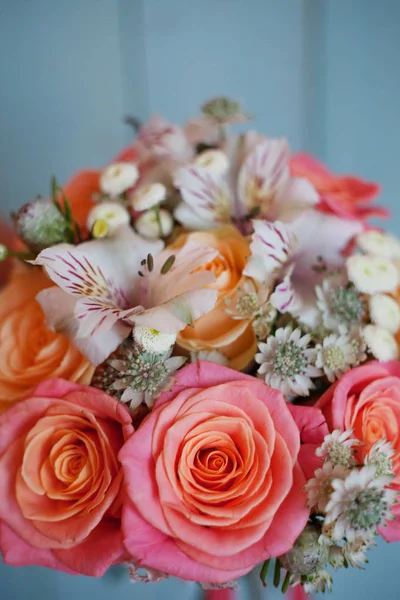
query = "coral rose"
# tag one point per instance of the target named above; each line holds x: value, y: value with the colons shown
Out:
x: 345, y: 196
x: 29, y: 351
x: 367, y: 400
x: 212, y: 478
x: 216, y: 330
x: 61, y: 480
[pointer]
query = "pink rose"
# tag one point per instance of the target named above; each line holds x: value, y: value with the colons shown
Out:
x: 212, y: 477
x: 346, y: 196
x: 367, y: 400
x: 60, y: 479
x: 313, y: 429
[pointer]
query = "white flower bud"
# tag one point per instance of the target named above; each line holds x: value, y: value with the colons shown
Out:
x: 118, y: 177
x: 147, y: 224
x: 380, y: 343
x: 214, y: 161
x: 113, y: 213
x: 152, y: 340
x: 372, y: 274
x: 385, y: 312
x: 148, y: 196
x: 3, y: 252
x: 379, y: 243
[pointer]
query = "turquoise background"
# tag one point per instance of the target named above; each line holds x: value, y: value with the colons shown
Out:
x: 324, y: 73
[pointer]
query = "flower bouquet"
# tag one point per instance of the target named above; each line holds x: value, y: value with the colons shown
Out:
x: 199, y: 368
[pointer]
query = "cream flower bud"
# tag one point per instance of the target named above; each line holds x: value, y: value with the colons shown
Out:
x: 372, y: 274
x: 3, y: 252
x: 379, y: 243
x: 380, y: 343
x: 152, y: 340
x: 214, y: 161
x: 148, y: 196
x: 147, y: 224
x: 385, y: 312
x: 113, y: 213
x: 118, y: 177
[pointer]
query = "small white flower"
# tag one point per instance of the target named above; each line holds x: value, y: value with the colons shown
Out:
x: 247, y: 300
x: 321, y: 581
x: 354, y: 552
x: 378, y: 243
x: 214, y: 161
x: 118, y: 177
x: 380, y: 455
x: 319, y: 488
x: 384, y: 312
x: 214, y: 356
x: 263, y: 321
x: 148, y: 226
x: 148, y: 196
x: 335, y: 355
x: 359, y: 346
x: 372, y: 274
x: 287, y: 362
x: 153, y: 341
x: 359, y: 503
x: 340, y: 303
x: 337, y: 448
x: 336, y: 557
x: 114, y: 214
x: 381, y: 343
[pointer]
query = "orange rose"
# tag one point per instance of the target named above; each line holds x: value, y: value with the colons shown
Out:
x: 217, y: 330
x: 29, y: 351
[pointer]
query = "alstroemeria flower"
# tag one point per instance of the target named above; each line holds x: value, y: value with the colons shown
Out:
x: 106, y: 286
x: 257, y: 183
x: 295, y: 256
x: 162, y: 139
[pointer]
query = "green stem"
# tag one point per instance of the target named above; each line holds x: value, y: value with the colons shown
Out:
x: 158, y: 217
x: 286, y: 583
x: 264, y: 572
x: 21, y: 255
x: 277, y: 573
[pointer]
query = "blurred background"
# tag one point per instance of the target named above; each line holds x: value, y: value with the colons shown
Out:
x: 323, y: 73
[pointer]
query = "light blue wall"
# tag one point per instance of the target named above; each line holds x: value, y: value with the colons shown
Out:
x: 325, y: 73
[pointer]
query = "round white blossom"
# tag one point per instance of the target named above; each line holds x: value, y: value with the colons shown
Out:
x: 148, y: 226
x: 214, y: 161
x: 287, y: 363
x: 114, y: 214
x: 118, y: 177
x: 380, y: 342
x: 335, y: 355
x: 384, y: 312
x: 152, y: 340
x: 148, y: 196
x: 379, y: 243
x: 337, y: 448
x: 372, y: 274
x: 319, y: 488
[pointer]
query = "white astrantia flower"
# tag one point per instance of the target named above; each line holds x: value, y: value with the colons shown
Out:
x: 319, y: 488
x: 263, y: 321
x: 148, y: 224
x: 214, y: 161
x: 337, y: 448
x: 143, y: 574
x: 118, y: 177
x: 379, y: 243
x: 321, y: 581
x: 336, y: 557
x: 214, y: 356
x: 381, y: 343
x: 287, y: 363
x: 354, y: 552
x: 148, y: 196
x: 152, y: 340
x: 247, y: 300
x: 372, y: 274
x: 359, y: 346
x: 385, y: 312
x: 335, y: 355
x: 339, y: 303
x: 380, y: 456
x: 359, y: 503
x: 114, y: 214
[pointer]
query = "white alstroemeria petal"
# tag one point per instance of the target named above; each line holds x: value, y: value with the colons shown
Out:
x: 285, y: 298
x: 113, y: 213
x: 271, y: 247
x: 379, y: 243
x: 372, y: 274
x: 148, y: 225
x: 188, y: 217
x: 264, y: 172
x: 148, y: 196
x: 380, y: 343
x: 294, y: 198
x: 214, y: 161
x: 118, y: 177
x: 385, y: 312
x: 164, y: 139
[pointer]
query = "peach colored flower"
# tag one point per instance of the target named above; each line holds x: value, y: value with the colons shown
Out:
x: 367, y: 400
x: 219, y: 488
x: 29, y: 351
x: 61, y: 480
x: 216, y: 330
